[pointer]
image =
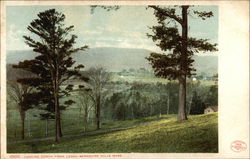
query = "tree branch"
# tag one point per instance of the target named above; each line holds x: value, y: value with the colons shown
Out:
x: 167, y: 13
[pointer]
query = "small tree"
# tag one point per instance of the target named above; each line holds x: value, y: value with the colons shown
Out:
x: 19, y: 93
x: 198, y: 105
x: 86, y: 103
x: 98, y: 80
x: 53, y: 65
x: 178, y: 64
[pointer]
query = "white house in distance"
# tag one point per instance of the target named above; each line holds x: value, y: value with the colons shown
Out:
x: 211, y: 109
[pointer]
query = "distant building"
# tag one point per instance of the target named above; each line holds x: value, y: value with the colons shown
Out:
x: 211, y: 109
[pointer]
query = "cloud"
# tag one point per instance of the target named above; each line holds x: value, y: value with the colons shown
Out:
x: 116, y: 37
x: 14, y: 38
x: 90, y: 32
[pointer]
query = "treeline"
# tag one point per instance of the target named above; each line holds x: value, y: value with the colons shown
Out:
x: 123, y: 100
x: 118, y: 100
x: 144, y: 99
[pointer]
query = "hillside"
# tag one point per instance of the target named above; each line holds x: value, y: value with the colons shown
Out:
x: 198, y: 134
x: 117, y: 59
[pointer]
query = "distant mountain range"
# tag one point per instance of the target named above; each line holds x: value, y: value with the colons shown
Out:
x: 117, y: 59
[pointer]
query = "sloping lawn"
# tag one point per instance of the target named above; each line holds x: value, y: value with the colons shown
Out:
x: 198, y: 134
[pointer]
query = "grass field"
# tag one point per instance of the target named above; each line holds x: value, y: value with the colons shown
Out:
x: 72, y: 123
x: 198, y: 134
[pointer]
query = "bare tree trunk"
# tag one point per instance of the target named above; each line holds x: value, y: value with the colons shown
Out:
x: 124, y: 113
x: 168, y: 104
x: 29, y: 128
x: 46, y: 127
x: 15, y: 131
x: 79, y: 117
x: 190, y: 105
x: 56, y: 121
x: 160, y: 111
x: 151, y: 110
x: 85, y: 118
x: 98, y: 112
x: 182, y: 100
x: 59, y: 119
x: 132, y: 112
x: 22, y: 113
x: 182, y: 79
x: 57, y: 116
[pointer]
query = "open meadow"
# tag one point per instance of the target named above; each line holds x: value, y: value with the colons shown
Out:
x: 198, y: 134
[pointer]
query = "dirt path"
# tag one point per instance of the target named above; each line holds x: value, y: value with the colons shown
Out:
x: 90, y: 133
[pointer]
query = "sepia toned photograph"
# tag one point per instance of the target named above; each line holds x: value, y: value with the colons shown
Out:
x: 110, y: 80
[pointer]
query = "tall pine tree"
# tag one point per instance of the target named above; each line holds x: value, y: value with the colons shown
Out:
x: 53, y: 64
x: 178, y: 64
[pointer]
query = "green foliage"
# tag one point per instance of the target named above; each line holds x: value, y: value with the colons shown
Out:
x: 197, y: 105
x: 201, y: 96
x: 212, y: 96
x: 168, y: 38
x: 178, y: 63
x: 138, y: 100
x: 203, y: 15
x: 107, y: 8
x: 53, y: 64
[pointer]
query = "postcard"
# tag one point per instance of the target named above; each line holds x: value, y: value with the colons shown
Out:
x: 125, y: 79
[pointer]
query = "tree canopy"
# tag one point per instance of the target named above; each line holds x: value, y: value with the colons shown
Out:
x: 178, y: 63
x: 53, y: 64
x: 168, y: 37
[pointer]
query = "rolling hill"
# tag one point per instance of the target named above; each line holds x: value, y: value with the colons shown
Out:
x: 117, y: 59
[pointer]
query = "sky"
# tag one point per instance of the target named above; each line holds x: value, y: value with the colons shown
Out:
x: 124, y: 28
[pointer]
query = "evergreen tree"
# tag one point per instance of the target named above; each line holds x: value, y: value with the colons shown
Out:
x: 198, y: 105
x: 178, y: 63
x: 53, y: 64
